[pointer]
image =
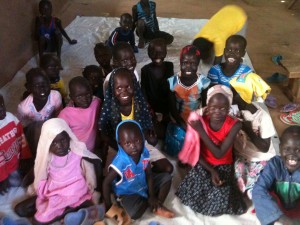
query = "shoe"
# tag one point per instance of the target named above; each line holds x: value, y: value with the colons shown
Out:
x: 276, y: 59
x: 9, y: 221
x: 276, y: 78
x: 290, y: 107
x: 271, y: 101
x: 293, y: 118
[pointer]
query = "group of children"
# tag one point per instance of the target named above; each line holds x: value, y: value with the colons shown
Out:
x: 114, y: 111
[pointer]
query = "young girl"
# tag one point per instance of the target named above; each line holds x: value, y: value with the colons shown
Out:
x: 103, y: 57
x: 124, y: 100
x: 186, y: 94
x: 209, y: 187
x: 63, y: 180
x: 95, y: 77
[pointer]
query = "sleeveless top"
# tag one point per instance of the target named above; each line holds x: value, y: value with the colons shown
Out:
x: 149, y: 19
x: 48, y: 32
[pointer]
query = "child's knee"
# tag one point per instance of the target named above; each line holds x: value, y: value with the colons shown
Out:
x: 140, y: 24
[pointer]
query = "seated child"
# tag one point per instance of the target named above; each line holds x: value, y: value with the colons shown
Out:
x: 82, y: 112
x: 95, y: 77
x: 103, y: 56
x: 14, y: 150
x: 123, y: 56
x: 146, y: 24
x: 123, y: 33
x: 124, y: 100
x: 130, y: 176
x: 276, y: 195
x: 49, y: 31
x: 51, y: 65
x: 210, y: 187
x: 63, y: 180
x: 187, y: 92
x: 154, y: 80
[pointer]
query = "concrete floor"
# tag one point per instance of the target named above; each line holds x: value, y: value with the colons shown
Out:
x: 272, y: 28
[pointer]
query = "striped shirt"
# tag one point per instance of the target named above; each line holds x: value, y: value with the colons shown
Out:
x: 149, y: 19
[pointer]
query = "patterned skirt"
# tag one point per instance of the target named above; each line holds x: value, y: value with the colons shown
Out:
x: 197, y: 191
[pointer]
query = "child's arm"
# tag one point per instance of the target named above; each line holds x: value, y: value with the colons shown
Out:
x: 107, y: 184
x: 214, y: 174
x: 134, y: 17
x: 63, y: 32
x: 173, y: 110
x: 152, y: 200
x: 217, y: 151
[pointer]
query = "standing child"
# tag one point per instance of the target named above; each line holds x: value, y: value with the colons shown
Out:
x: 213, y: 175
x: 123, y: 33
x: 146, y: 24
x: 130, y: 176
x: 95, y: 77
x: 14, y: 150
x: 154, y: 80
x: 124, y: 100
x: 103, y: 57
x: 276, y: 194
x: 49, y: 31
x: 63, y: 180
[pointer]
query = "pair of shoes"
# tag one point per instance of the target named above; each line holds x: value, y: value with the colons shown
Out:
x: 85, y: 216
x: 292, y: 118
x: 9, y: 221
x: 276, y: 59
x: 290, y: 107
x: 276, y: 78
x: 271, y: 101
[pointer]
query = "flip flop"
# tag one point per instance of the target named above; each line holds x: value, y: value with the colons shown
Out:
x: 276, y: 59
x: 291, y: 118
x: 276, y: 78
x: 9, y: 221
x: 271, y: 101
x: 290, y: 107
x: 154, y: 223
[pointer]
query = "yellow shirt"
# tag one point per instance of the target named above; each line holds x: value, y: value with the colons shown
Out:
x: 130, y: 116
x: 59, y: 86
x: 227, y: 21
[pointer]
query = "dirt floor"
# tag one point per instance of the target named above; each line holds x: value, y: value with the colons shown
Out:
x: 272, y: 28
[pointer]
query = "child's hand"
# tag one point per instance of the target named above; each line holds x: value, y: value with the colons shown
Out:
x: 4, y: 185
x: 154, y: 203
x: 151, y: 137
x: 216, y: 179
x: 73, y: 42
x: 196, y: 125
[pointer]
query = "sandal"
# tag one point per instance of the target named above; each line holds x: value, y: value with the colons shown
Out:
x: 276, y: 59
x: 290, y: 107
x: 291, y: 118
x: 271, y: 101
x: 119, y: 214
x: 9, y: 221
x: 276, y: 78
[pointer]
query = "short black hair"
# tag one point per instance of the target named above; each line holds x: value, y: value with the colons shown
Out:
x: 128, y: 125
x: 204, y: 46
x: 44, y: 2
x: 79, y: 81
x: 155, y: 42
x: 46, y: 58
x: 290, y: 132
x: 34, y: 72
x: 100, y: 47
x: 237, y: 39
x: 90, y: 69
x: 119, y: 47
x: 126, y: 15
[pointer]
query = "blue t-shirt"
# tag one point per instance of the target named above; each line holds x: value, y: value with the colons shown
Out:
x: 118, y: 35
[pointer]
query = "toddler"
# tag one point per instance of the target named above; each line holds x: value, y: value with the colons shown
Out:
x: 123, y: 33
x: 124, y: 100
x: 95, y: 76
x: 63, y: 180
x: 130, y: 176
x: 103, y: 56
x: 14, y: 153
x: 276, y: 193
x: 146, y: 24
x: 213, y: 174
x: 49, y: 31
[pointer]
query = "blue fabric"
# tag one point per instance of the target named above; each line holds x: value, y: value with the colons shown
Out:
x: 216, y: 75
x: 174, y: 139
x: 274, y: 176
x: 149, y: 20
x: 48, y: 32
x: 118, y: 35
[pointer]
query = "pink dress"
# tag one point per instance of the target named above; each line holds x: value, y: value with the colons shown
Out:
x: 65, y: 187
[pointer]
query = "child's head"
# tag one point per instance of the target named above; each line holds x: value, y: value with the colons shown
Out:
x: 45, y: 8
x: 235, y: 49
x: 51, y: 64
x: 157, y: 50
x: 205, y: 47
x: 130, y: 137
x: 290, y: 148
x: 126, y: 21
x: 123, y: 56
x: 103, y: 55
x: 219, y: 100
x: 60, y: 145
x: 80, y: 92
x: 189, y: 60
x: 38, y: 84
x: 2, y: 108
x: 94, y: 75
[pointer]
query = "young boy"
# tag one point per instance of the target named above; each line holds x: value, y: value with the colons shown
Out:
x: 276, y: 194
x: 49, y: 31
x: 95, y: 77
x: 146, y: 24
x: 13, y: 150
x: 123, y: 33
x: 103, y: 56
x: 131, y: 178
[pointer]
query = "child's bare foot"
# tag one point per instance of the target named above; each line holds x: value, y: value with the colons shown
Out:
x: 164, y: 212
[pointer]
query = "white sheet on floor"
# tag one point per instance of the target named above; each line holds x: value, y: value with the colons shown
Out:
x: 88, y: 31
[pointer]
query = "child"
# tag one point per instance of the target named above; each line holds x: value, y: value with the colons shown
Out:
x: 123, y: 56
x: 51, y: 65
x: 64, y: 181
x: 154, y: 83
x: 210, y: 40
x: 95, y: 76
x: 49, y: 31
x: 276, y: 193
x: 123, y: 33
x: 103, y: 56
x: 130, y: 175
x: 187, y: 91
x: 14, y: 150
x: 210, y: 188
x: 124, y: 100
x: 82, y: 112
x: 146, y: 24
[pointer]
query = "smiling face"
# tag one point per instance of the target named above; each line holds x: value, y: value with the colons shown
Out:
x: 2, y: 108
x: 125, y: 58
x: 218, y: 108
x: 189, y: 65
x: 61, y: 144
x: 126, y: 22
x: 81, y: 94
x: 123, y: 87
x: 39, y: 86
x: 234, y: 50
x: 157, y: 52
